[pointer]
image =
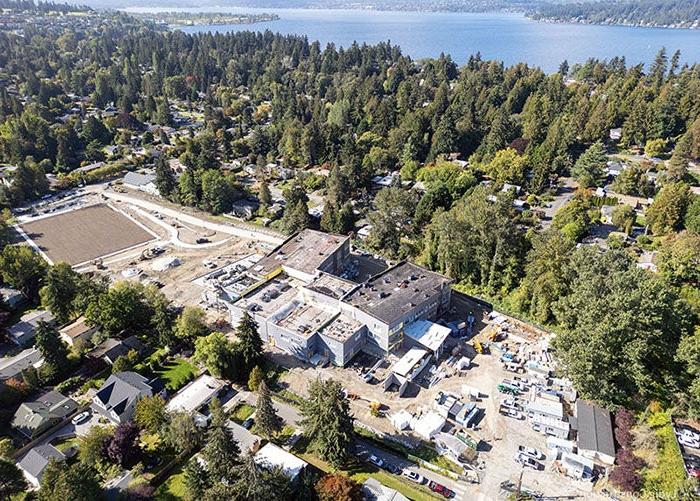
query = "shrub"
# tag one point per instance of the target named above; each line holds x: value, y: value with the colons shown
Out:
x: 69, y: 384
x: 625, y: 476
x: 624, y: 421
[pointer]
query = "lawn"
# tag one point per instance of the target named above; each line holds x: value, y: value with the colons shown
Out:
x: 63, y: 444
x: 173, y: 488
x: 283, y: 436
x: 176, y: 373
x: 360, y: 471
x: 242, y: 412
x: 667, y: 476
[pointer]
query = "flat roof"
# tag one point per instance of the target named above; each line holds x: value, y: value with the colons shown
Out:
x: 544, y: 406
x: 195, y: 394
x: 341, y: 328
x: 393, y: 293
x: 331, y: 286
x: 427, y: 333
x: 306, y: 251
x: 408, y: 361
x: 303, y: 318
x: 269, y: 297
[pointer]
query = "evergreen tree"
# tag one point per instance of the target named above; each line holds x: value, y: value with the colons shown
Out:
x: 266, y: 419
x: 11, y: 480
x: 327, y: 421
x: 264, y: 194
x: 53, y: 349
x: 60, y: 291
x: 589, y: 169
x: 249, y: 346
x: 196, y: 479
x: 165, y: 178
x: 221, y: 452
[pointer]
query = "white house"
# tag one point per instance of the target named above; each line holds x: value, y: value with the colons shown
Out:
x: 271, y: 456
x: 141, y: 182
x: 36, y: 461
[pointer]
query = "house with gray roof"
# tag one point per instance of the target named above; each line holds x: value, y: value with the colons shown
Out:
x: 376, y: 491
x: 23, y: 332
x: 111, y: 349
x: 35, y: 417
x: 11, y: 298
x: 595, y: 433
x: 36, y: 460
x: 116, y: 399
x: 11, y: 367
x: 142, y: 182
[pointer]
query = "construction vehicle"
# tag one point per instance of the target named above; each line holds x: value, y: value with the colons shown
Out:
x: 508, y: 388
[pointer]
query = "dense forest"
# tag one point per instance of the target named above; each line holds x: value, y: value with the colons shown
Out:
x: 363, y: 111
x: 675, y: 13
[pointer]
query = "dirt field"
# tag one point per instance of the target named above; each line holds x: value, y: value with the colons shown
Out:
x: 85, y: 234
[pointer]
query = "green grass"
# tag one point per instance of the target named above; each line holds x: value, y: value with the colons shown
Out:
x: 63, y: 444
x: 283, y: 436
x: 289, y: 397
x: 360, y: 471
x: 415, y: 493
x: 669, y: 473
x: 176, y: 373
x: 173, y: 488
x: 242, y: 412
x: 424, y: 451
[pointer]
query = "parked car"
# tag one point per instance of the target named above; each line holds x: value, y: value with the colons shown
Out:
x: 203, y: 240
x: 531, y: 452
x: 527, y: 461
x: 694, y: 472
x: 415, y: 477
x: 688, y: 442
x: 378, y: 462
x: 248, y: 423
x: 688, y: 434
x: 391, y: 468
x: 441, y: 489
x: 81, y: 418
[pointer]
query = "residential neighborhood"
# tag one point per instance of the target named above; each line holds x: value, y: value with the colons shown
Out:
x: 238, y: 264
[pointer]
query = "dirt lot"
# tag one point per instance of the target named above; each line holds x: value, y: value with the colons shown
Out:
x: 85, y: 234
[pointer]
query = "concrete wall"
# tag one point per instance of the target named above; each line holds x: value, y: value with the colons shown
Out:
x: 336, y: 261
x: 340, y: 353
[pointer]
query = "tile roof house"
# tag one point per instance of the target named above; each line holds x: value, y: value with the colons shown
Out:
x: 23, y: 331
x: 36, y: 461
x: 35, y: 417
x: 116, y: 399
x: 595, y: 433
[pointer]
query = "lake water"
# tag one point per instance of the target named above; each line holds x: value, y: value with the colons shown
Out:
x: 510, y: 38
